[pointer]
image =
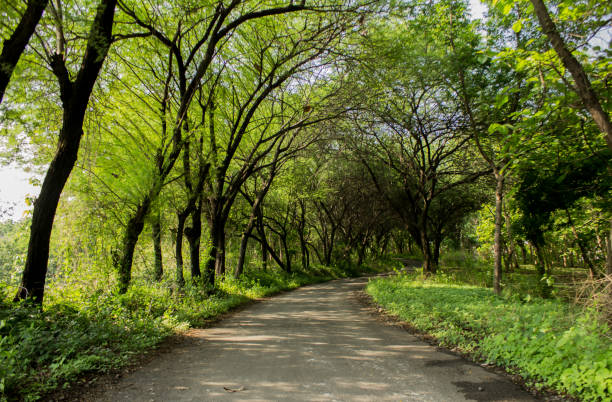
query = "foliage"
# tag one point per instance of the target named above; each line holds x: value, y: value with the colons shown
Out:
x: 549, y: 343
x: 43, y: 350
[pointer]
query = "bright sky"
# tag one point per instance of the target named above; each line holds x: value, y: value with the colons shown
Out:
x: 15, y: 185
x: 14, y: 188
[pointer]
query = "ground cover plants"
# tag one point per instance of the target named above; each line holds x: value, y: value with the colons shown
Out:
x: 549, y: 342
x: 41, y: 351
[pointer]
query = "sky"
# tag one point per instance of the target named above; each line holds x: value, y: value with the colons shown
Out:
x: 15, y: 182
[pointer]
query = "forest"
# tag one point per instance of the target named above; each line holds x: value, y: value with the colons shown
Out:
x: 193, y: 155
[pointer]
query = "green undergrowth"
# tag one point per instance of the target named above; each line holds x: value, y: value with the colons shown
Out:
x: 42, y: 351
x: 550, y: 343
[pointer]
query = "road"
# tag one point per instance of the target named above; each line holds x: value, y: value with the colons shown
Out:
x: 317, y: 343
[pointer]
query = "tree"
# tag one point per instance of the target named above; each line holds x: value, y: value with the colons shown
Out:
x: 583, y: 87
x: 74, y: 95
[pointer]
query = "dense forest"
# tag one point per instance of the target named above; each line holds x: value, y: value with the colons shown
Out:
x: 191, y: 149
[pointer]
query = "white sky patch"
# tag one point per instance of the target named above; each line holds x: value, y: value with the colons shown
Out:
x: 478, y: 9
x: 15, y: 186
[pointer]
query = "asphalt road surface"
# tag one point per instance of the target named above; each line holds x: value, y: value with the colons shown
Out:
x: 317, y: 343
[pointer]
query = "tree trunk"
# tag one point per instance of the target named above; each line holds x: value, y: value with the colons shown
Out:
x: 75, y: 97
x: 132, y: 232
x: 523, y: 252
x: 436, y: 250
x: 499, y: 199
x: 159, y: 268
x: 540, y: 264
x: 178, y: 249
x: 212, y: 253
x: 244, y: 242
x: 287, y: 255
x: 583, y: 86
x: 14, y: 46
x: 429, y: 266
x: 361, y: 252
x: 194, y: 235
x: 301, y: 229
x: 264, y: 257
x: 220, y: 260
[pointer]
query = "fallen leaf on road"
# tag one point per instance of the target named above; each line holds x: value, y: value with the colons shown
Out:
x: 234, y: 389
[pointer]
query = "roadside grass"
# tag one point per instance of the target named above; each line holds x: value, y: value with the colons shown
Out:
x: 97, y: 331
x: 550, y: 343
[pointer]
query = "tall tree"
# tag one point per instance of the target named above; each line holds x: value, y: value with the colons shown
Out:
x: 583, y: 86
x: 74, y: 95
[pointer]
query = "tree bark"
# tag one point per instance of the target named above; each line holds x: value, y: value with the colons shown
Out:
x: 583, y: 85
x: 301, y: 234
x: 523, y: 252
x: 178, y: 249
x: 244, y: 241
x: 194, y: 235
x: 14, y: 46
x: 75, y: 97
x: 287, y: 254
x: 132, y: 232
x: 499, y: 199
x: 156, y: 229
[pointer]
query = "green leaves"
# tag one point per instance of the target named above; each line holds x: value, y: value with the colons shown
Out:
x: 549, y: 343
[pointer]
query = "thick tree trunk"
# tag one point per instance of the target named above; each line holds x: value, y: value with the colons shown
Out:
x: 287, y: 255
x: 156, y: 229
x: 14, y: 46
x: 361, y: 254
x: 541, y: 263
x: 429, y: 266
x: 34, y: 274
x: 499, y: 199
x: 510, y: 245
x: 215, y: 264
x: 583, y: 86
x: 244, y: 242
x: 75, y: 97
x: 212, y: 253
x: 132, y: 232
x: 194, y: 235
x: 178, y: 249
x: 220, y: 259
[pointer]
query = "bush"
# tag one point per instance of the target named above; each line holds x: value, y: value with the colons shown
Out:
x: 548, y: 342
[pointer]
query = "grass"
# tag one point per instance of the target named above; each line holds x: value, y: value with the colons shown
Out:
x: 550, y: 343
x: 42, y: 351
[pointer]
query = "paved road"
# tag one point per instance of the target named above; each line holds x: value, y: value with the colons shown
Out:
x: 318, y: 343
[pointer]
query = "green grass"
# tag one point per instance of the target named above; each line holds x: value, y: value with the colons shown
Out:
x: 552, y: 344
x: 41, y: 351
